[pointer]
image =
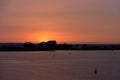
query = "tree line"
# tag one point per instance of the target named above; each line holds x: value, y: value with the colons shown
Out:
x: 52, y: 45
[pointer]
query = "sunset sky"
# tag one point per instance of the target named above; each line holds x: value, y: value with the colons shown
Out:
x: 70, y: 21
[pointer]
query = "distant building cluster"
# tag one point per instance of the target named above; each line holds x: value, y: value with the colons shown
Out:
x: 52, y: 45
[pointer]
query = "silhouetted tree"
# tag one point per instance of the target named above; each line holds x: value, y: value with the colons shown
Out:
x: 52, y: 44
x: 29, y: 45
x: 42, y: 44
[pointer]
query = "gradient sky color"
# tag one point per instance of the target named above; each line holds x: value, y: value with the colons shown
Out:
x: 70, y: 21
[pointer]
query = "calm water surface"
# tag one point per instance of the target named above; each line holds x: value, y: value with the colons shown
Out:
x: 60, y: 65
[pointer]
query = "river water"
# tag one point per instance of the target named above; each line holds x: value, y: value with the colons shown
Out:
x: 60, y: 65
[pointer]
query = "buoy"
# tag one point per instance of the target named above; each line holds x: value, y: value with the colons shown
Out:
x: 95, y: 72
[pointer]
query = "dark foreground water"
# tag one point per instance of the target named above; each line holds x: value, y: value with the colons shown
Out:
x: 60, y: 65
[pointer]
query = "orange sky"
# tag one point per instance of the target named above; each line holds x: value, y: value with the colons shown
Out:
x: 70, y: 21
